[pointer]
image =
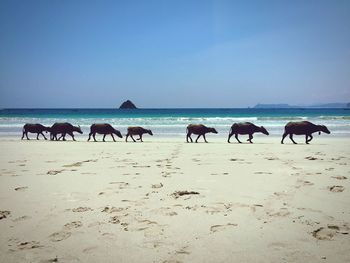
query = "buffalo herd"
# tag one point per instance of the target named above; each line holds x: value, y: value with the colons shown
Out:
x: 59, y: 131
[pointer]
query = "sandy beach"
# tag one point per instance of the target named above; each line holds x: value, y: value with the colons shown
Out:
x: 165, y: 200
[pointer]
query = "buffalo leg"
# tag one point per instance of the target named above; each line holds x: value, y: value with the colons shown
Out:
x: 126, y: 138
x: 26, y: 134
x: 72, y: 135
x: 141, y: 138
x: 205, y: 138
x: 89, y: 136
x: 132, y: 138
x: 291, y: 137
x: 63, y: 135
x: 94, y: 136
x: 307, y: 140
x: 37, y: 136
x: 198, y: 137
x: 104, y: 136
x: 43, y: 136
x: 236, y: 136
x: 284, y: 136
x: 112, y: 137
x: 229, y: 137
x: 250, y: 138
x: 189, y: 136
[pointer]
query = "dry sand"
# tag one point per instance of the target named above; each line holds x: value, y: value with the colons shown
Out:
x: 168, y: 201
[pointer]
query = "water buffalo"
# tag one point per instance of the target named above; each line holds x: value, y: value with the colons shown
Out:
x: 245, y: 128
x: 35, y: 128
x: 137, y: 131
x: 303, y: 128
x: 198, y: 129
x: 63, y: 129
x: 103, y: 128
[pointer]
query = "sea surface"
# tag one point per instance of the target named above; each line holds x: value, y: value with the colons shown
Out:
x: 173, y: 122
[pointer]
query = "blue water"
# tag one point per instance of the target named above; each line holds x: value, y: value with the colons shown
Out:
x: 173, y: 122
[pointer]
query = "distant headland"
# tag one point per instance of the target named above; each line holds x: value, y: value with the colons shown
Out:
x: 128, y: 105
x: 286, y: 106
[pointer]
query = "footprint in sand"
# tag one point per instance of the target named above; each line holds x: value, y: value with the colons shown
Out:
x: 28, y: 245
x: 167, y: 211
x: 22, y: 188
x: 121, y: 185
x: 336, y: 188
x: 21, y: 218
x: 114, y: 220
x: 235, y: 159
x: 216, y: 228
x: 323, y: 233
x: 340, y: 177
x: 59, y: 236
x: 271, y: 158
x: 281, y: 213
x: 78, y: 164
x: 112, y: 209
x: 81, y: 209
x: 54, y: 172
x: 149, y: 228
x: 311, y: 158
x: 329, y: 232
x: 74, y: 224
x: 305, y: 183
x: 4, y: 214
x: 183, y: 251
x: 160, y: 185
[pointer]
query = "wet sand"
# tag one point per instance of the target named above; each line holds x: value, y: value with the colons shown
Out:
x: 168, y: 201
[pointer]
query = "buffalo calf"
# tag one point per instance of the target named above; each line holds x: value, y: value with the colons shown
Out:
x: 198, y: 129
x: 137, y: 131
x: 103, y: 128
x: 245, y: 128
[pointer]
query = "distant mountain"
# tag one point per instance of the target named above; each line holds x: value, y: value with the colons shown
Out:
x: 331, y: 105
x: 272, y: 106
x: 127, y: 105
x: 283, y: 106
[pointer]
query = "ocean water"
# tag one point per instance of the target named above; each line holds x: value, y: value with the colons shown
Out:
x: 173, y: 122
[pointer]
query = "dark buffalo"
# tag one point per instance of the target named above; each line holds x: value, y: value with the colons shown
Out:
x: 137, y: 131
x: 103, y: 128
x: 35, y: 128
x: 198, y: 129
x: 63, y: 129
x: 303, y: 128
x: 245, y: 128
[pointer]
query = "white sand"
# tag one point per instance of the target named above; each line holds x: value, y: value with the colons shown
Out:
x: 113, y: 202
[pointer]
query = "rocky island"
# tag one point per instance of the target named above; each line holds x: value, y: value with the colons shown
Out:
x: 127, y: 105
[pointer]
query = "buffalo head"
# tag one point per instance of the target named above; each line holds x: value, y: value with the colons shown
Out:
x: 118, y: 133
x: 323, y: 128
x: 78, y: 129
x: 263, y: 130
x: 213, y: 130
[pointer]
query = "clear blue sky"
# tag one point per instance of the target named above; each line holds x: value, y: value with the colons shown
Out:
x: 173, y: 53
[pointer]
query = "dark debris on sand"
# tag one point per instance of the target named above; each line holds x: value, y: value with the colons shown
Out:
x: 177, y: 194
